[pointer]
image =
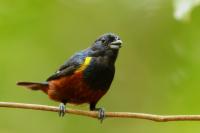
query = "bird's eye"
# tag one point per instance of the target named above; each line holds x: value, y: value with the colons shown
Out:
x: 103, y: 41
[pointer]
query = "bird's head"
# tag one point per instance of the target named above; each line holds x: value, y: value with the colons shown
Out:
x: 107, y: 46
x: 108, y: 41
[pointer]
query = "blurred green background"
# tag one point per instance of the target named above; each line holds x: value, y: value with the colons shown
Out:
x: 157, y: 70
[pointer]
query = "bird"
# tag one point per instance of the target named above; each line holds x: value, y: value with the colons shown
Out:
x: 85, y: 77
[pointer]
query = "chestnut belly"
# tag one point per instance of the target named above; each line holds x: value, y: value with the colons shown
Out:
x: 73, y: 89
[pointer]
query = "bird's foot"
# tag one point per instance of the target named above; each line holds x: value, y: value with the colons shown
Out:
x: 101, y: 114
x: 62, y: 110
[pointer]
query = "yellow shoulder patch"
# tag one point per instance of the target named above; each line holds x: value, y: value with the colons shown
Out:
x: 85, y: 64
x: 87, y: 61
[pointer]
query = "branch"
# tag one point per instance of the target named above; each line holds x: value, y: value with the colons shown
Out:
x: 94, y: 114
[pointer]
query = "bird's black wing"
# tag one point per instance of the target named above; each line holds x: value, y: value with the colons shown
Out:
x: 69, y: 67
x: 67, y: 71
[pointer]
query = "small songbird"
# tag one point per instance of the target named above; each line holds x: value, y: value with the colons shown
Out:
x: 85, y: 77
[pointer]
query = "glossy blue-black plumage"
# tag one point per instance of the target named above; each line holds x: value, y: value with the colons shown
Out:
x: 100, y: 72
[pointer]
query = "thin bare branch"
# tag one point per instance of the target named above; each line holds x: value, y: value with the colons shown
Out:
x: 93, y: 114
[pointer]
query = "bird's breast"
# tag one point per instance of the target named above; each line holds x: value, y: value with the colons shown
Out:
x: 99, y: 75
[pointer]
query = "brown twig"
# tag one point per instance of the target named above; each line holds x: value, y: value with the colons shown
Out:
x: 93, y: 114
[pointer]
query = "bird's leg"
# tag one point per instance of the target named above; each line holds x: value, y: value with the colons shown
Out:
x: 62, y: 109
x: 101, y: 115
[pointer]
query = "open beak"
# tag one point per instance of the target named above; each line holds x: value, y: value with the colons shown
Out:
x: 116, y: 44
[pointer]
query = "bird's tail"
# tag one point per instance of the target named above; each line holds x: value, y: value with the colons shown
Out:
x: 34, y: 85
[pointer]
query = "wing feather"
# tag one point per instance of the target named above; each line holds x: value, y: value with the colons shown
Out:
x: 69, y: 67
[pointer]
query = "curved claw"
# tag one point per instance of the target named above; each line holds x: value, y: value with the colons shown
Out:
x: 101, y: 115
x: 62, y: 110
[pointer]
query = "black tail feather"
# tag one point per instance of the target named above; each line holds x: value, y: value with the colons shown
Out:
x: 34, y: 85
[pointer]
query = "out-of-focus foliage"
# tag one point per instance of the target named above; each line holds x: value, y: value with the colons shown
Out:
x: 183, y: 8
x: 158, y: 69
